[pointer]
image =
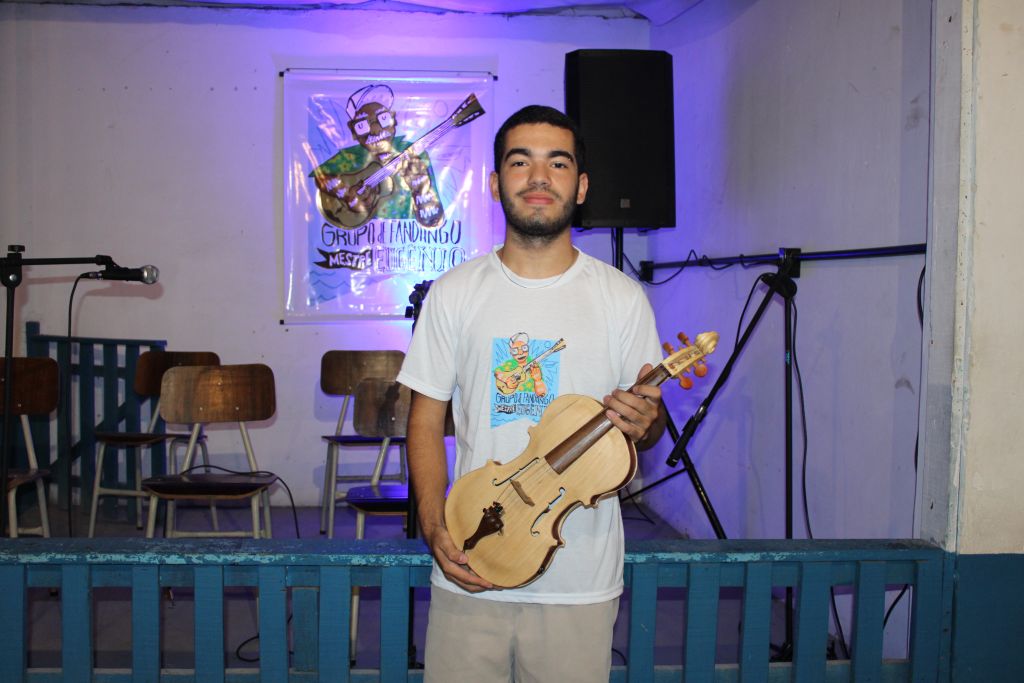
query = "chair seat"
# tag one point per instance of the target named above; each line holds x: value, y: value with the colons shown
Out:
x: 356, y: 440
x: 195, y: 485
x: 127, y: 439
x: 16, y: 478
x: 380, y: 499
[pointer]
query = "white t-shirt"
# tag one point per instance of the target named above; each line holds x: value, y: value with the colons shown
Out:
x: 463, y: 334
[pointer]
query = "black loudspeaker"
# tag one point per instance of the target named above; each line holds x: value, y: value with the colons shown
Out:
x: 622, y: 101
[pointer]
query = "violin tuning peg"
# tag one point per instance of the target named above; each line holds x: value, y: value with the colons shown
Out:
x: 700, y: 369
x: 685, y: 382
x: 668, y: 348
x: 683, y: 339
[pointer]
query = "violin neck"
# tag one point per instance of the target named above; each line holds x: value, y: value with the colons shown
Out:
x: 567, y: 452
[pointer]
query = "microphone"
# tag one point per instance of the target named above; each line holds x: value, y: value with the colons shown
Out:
x: 145, y: 274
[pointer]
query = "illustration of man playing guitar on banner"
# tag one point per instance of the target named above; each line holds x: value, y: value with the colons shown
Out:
x: 385, y: 176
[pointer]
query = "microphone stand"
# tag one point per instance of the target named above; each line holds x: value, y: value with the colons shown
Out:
x: 780, y: 283
x: 11, y: 274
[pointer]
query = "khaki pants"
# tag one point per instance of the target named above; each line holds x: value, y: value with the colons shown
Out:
x: 483, y: 641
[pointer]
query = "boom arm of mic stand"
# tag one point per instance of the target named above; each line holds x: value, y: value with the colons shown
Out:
x: 10, y: 278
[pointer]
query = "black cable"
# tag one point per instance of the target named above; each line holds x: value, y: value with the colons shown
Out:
x: 803, y: 478
x: 262, y: 473
x: 743, y: 313
x: 888, y: 612
x: 692, y: 257
x: 920, y: 297
x: 917, y: 438
x: 65, y: 391
x: 252, y: 660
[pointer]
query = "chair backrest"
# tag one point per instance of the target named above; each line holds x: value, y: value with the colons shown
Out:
x: 382, y: 409
x: 35, y: 386
x: 217, y: 393
x: 149, y: 372
x: 342, y: 371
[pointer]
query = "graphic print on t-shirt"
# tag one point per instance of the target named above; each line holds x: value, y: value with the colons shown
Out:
x: 525, y: 377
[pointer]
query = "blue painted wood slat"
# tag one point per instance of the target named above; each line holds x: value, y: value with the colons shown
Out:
x: 304, y: 624
x: 86, y: 370
x: 701, y: 621
x: 755, y: 639
x: 273, y: 622
x: 63, y: 436
x: 132, y: 420
x: 145, y: 624
x: 110, y: 372
x: 335, y: 606
x: 926, y: 620
x: 394, y: 624
x: 209, y: 623
x: 869, y: 609
x: 643, y: 598
x: 76, y: 622
x: 811, y: 626
x: 12, y: 622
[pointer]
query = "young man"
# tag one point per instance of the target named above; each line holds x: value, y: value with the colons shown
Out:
x: 535, y: 287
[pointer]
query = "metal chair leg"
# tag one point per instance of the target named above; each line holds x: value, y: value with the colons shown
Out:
x: 44, y: 517
x: 264, y: 497
x: 12, y: 514
x: 330, y: 487
x: 138, y: 488
x: 96, y: 489
x: 154, y: 503
x: 255, y: 506
x: 213, y: 504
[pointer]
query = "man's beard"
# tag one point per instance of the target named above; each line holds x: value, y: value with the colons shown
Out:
x: 533, y: 225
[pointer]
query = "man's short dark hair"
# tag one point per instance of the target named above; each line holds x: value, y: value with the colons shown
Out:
x: 537, y: 113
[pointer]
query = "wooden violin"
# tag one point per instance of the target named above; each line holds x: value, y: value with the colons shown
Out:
x: 508, y: 518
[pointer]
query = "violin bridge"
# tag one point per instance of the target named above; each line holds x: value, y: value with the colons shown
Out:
x: 522, y: 493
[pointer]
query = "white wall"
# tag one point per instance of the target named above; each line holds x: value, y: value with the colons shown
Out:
x: 154, y: 135
x: 800, y: 124
x: 987, y: 401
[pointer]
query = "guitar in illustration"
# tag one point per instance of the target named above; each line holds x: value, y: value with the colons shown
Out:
x: 351, y: 199
x: 507, y: 381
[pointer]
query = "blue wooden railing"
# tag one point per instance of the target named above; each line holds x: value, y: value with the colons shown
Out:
x: 104, y: 368
x: 312, y: 580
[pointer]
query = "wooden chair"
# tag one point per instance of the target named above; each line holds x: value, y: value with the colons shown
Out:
x: 215, y: 395
x: 34, y: 392
x: 149, y: 373
x: 382, y: 412
x: 340, y: 374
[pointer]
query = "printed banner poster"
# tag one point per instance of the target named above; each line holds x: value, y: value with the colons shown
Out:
x: 385, y: 186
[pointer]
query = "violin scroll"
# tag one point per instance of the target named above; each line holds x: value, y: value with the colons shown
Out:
x: 690, y: 357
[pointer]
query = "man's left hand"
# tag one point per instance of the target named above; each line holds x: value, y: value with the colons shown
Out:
x: 636, y: 410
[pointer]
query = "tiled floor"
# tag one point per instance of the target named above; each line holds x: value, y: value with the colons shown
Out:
x: 112, y: 606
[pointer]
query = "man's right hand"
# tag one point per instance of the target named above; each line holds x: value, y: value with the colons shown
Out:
x: 453, y: 562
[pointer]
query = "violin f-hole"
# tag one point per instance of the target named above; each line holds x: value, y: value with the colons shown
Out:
x: 533, y: 527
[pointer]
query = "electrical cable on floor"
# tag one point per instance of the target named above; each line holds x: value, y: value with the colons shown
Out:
x: 252, y: 660
x: 260, y: 473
